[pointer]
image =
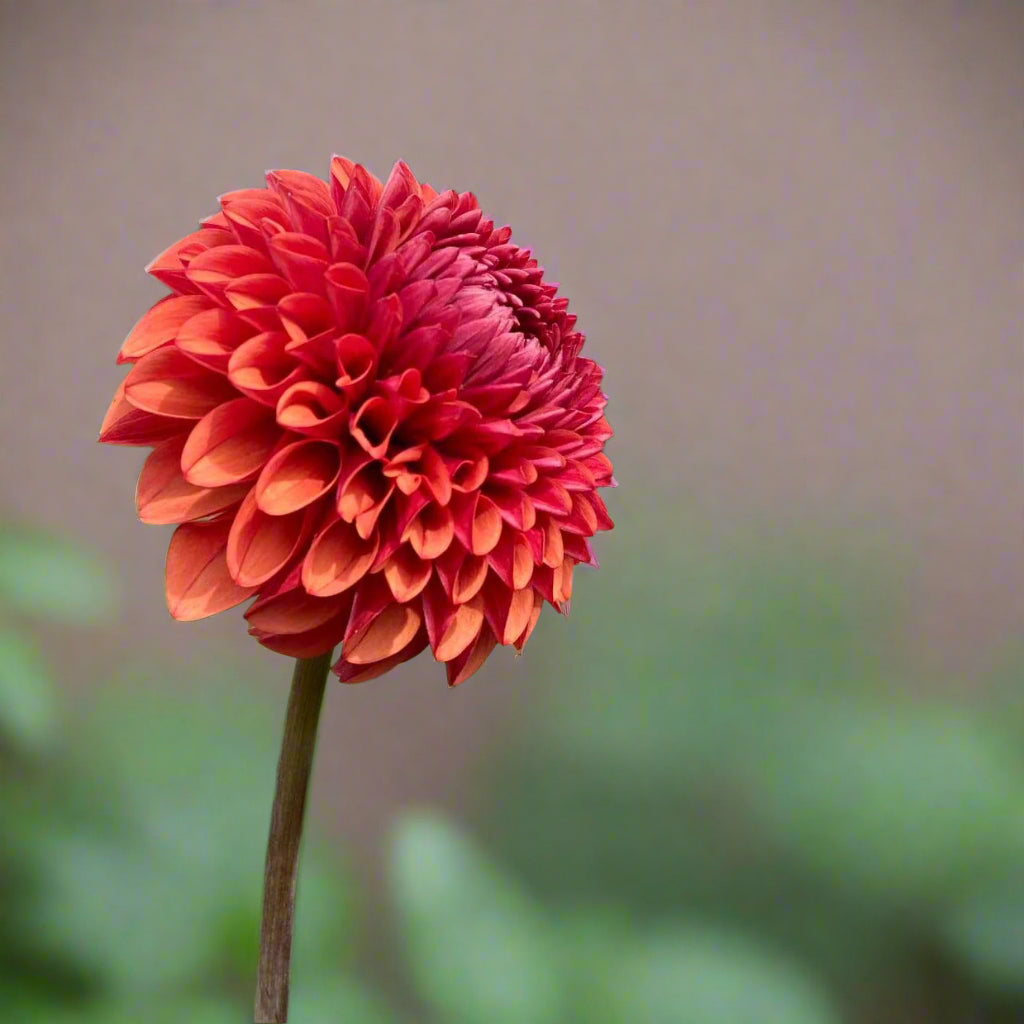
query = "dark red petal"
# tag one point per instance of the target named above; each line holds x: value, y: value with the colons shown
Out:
x: 461, y: 668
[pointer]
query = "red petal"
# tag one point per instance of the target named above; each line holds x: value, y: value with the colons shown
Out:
x: 469, y: 579
x: 461, y: 668
x: 163, y: 495
x: 478, y: 523
x: 373, y: 425
x: 406, y: 574
x: 347, y: 290
x: 169, y: 266
x: 168, y: 383
x: 213, y: 270
x: 519, y: 613
x: 309, y: 644
x: 160, y: 325
x: 210, y: 337
x: 229, y: 444
x: 262, y: 368
x: 197, y: 579
x: 294, y: 611
x: 554, y: 551
x: 431, y: 531
x: 347, y: 672
x: 301, y: 259
x: 260, y: 545
x: 538, y: 603
x: 385, y: 636
x: 461, y: 630
x: 297, y: 475
x: 357, y: 364
x: 256, y: 291
x: 337, y: 559
x: 312, y: 408
x: 124, y: 424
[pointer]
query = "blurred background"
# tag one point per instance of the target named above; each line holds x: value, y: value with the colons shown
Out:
x: 772, y: 767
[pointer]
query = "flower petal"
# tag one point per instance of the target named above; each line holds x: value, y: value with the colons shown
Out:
x: 168, y: 383
x: 163, y: 495
x: 124, y: 424
x: 407, y: 574
x: 261, y: 545
x: 461, y: 630
x: 337, y: 559
x: 459, y: 669
x: 297, y: 475
x: 229, y: 444
x: 160, y: 324
x: 198, y: 583
x: 349, y: 672
x: 211, y: 337
x: 385, y: 636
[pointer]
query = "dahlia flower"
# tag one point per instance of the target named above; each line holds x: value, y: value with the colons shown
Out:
x: 368, y: 411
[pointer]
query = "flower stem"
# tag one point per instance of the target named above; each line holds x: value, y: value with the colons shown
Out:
x: 293, y: 767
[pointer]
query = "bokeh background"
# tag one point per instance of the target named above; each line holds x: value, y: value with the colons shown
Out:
x: 772, y: 768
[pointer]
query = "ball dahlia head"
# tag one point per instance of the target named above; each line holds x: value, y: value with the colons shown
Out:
x: 369, y: 411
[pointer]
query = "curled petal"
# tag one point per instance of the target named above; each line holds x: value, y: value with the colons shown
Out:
x: 309, y: 644
x: 461, y: 630
x: 350, y: 672
x: 263, y: 369
x: 169, y: 267
x: 337, y: 560
x: 347, y: 291
x: 460, y: 668
x: 386, y: 635
x: 301, y: 259
x: 519, y: 612
x: 163, y: 495
x: 297, y: 475
x: 311, y: 408
x: 229, y: 444
x: 168, y: 383
x: 124, y: 424
x: 213, y: 270
x: 406, y: 574
x: 431, y: 532
x: 160, y: 325
x: 261, y: 545
x: 469, y: 579
x: 538, y: 603
x: 295, y: 611
x: 211, y: 337
x: 478, y: 523
x: 197, y: 578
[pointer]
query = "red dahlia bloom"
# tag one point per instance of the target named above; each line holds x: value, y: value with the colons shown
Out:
x: 369, y: 411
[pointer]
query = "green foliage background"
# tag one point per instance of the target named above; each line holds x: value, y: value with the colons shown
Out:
x: 723, y: 806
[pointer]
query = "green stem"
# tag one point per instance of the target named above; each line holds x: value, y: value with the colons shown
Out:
x: 293, y: 768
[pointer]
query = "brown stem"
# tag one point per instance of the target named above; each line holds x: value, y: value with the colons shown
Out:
x: 304, y: 701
